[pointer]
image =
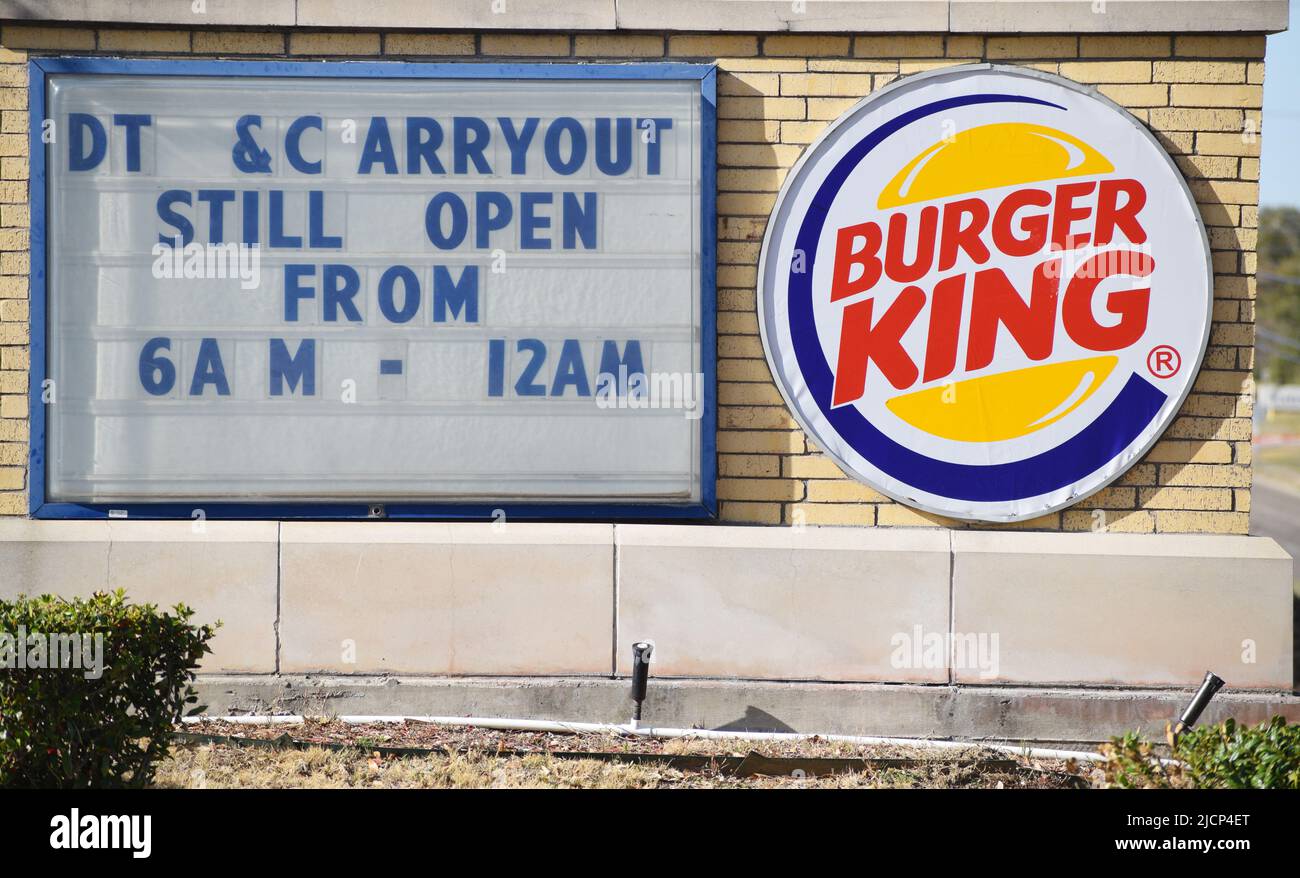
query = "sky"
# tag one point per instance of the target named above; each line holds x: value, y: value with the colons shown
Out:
x: 1279, y: 174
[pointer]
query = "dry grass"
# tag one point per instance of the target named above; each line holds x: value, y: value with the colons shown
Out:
x: 483, y: 759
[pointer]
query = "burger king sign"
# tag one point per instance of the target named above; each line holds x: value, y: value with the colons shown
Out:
x: 985, y: 291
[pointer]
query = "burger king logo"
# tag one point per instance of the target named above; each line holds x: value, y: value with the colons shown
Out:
x: 985, y: 292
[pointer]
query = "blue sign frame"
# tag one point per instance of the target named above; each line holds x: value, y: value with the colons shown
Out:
x: 39, y: 68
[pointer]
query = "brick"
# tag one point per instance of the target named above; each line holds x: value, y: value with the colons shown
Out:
x: 18, y: 36
x: 911, y: 46
x: 12, y: 477
x: 14, y: 406
x: 752, y: 156
x: 1125, y: 46
x: 755, y: 417
x: 1108, y: 521
x: 748, y: 83
x: 811, y: 466
x: 14, y: 310
x: 1186, y: 498
x: 743, y: 370
x: 1207, y: 475
x: 1207, y: 167
x: 851, y: 65
x: 1113, y: 497
x: 828, y: 108
x: 1107, y: 71
x: 1219, y: 46
x: 759, y: 489
x: 618, y: 45
x: 1192, y: 119
x: 805, y: 45
x: 1225, y: 191
x: 700, y: 46
x: 748, y: 393
x: 801, y: 132
x: 750, y: 465
x: 1006, y: 47
x: 1199, y: 71
x: 760, y: 108
x: 1189, y: 451
x: 826, y: 84
x: 842, y: 490
x: 859, y: 514
x: 760, y: 442
x: 1239, y: 143
x: 13, y: 504
x: 964, y: 46
x: 897, y: 515
x: 236, y: 42
x: 1242, y: 96
x: 533, y: 45
x: 428, y: 44
x: 1154, y: 95
x: 334, y: 44
x: 750, y: 513
x: 748, y: 204
x: 1180, y: 521
x: 748, y: 131
x: 761, y: 65
x: 749, y: 180
x: 126, y: 40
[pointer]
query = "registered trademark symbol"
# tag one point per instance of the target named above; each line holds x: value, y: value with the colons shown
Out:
x: 1164, y: 361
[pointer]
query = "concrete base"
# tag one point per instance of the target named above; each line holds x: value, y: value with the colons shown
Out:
x: 825, y: 604
x: 1055, y: 716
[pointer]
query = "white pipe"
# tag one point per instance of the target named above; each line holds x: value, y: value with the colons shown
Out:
x: 579, y: 728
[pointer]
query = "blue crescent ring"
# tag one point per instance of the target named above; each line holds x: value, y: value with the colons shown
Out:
x: 1080, y: 455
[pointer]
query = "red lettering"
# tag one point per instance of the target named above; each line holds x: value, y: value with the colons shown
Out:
x: 945, y: 327
x: 861, y: 342
x: 957, y: 236
x: 846, y: 257
x: 1035, y: 224
x: 1111, y: 216
x: 1132, y: 306
x: 1065, y: 214
x: 895, y: 268
x: 995, y: 301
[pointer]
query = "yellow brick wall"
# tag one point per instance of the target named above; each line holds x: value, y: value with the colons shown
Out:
x: 1201, y: 95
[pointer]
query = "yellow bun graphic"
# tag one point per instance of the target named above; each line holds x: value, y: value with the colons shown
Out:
x: 990, y: 156
x: 993, y: 408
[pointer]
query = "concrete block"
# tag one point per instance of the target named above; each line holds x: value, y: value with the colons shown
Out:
x: 1116, y: 16
x: 781, y: 603
x: 1125, y: 609
x: 248, y: 13
x: 521, y: 15
x: 825, y: 16
x: 434, y: 598
x: 226, y: 571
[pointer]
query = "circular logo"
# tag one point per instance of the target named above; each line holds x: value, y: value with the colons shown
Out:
x: 969, y: 283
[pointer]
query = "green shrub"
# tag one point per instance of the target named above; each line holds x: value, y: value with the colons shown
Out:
x: 1224, y: 756
x: 67, y: 727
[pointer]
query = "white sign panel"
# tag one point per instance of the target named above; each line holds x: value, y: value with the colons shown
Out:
x: 985, y: 291
x: 373, y: 289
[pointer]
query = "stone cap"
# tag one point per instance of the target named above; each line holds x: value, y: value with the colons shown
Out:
x: 820, y: 16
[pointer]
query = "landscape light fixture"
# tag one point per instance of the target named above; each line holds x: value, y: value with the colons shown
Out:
x: 641, y: 651
x: 1209, y: 686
